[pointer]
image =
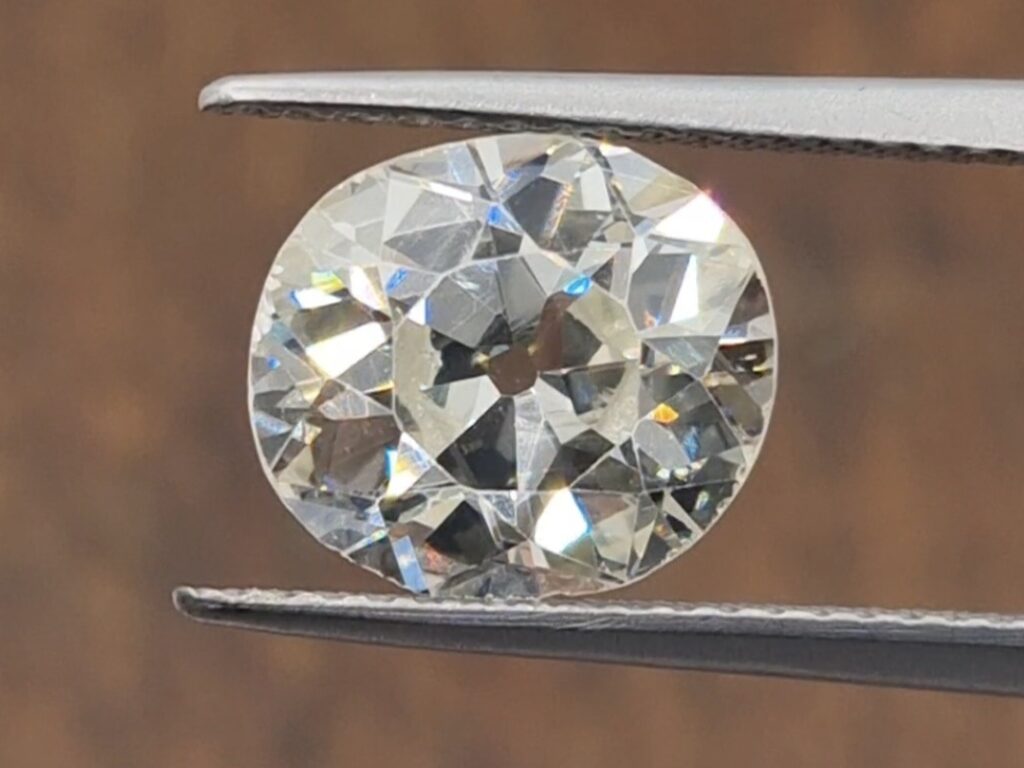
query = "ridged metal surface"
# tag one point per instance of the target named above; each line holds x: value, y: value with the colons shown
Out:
x: 916, y: 649
x: 946, y: 120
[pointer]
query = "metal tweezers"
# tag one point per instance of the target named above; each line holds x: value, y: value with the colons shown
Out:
x: 944, y: 120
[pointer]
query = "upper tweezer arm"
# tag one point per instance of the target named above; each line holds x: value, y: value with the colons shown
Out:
x: 947, y: 120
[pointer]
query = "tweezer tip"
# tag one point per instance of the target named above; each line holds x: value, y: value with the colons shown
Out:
x: 217, y: 94
x: 190, y: 602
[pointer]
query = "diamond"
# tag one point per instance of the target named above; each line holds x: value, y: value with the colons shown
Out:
x: 518, y: 366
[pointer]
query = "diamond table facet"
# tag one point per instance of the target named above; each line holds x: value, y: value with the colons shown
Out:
x: 520, y: 366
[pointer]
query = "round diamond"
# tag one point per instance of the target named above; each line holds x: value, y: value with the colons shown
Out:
x: 518, y: 365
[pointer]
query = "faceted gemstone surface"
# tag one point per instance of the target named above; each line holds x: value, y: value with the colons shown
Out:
x: 519, y: 365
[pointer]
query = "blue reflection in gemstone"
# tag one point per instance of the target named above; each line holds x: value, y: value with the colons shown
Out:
x: 390, y: 456
x: 409, y: 565
x: 396, y: 280
x: 691, y: 443
x: 273, y: 363
x: 579, y: 286
x: 268, y: 425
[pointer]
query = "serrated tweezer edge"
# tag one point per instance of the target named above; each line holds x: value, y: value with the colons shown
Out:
x: 939, y: 119
x: 917, y: 649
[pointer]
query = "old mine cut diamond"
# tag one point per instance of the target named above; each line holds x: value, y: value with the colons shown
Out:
x: 521, y: 365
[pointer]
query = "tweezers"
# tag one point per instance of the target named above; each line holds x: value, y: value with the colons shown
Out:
x: 943, y: 120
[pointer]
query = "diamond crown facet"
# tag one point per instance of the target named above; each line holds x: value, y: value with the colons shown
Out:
x: 519, y: 365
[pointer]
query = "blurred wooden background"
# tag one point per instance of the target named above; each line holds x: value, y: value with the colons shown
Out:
x: 135, y: 235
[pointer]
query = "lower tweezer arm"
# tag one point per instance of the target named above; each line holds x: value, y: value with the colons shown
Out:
x: 948, y: 651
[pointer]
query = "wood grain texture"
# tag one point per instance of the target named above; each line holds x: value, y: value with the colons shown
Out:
x: 135, y: 235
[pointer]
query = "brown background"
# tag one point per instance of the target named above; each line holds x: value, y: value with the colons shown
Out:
x: 134, y: 237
